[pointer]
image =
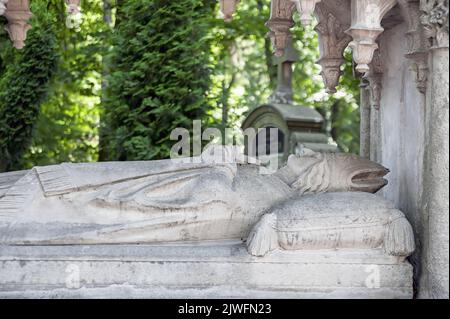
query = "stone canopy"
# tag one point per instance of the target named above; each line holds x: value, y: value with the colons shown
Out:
x: 358, y: 24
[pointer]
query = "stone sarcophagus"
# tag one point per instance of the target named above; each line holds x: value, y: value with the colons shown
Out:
x: 203, y: 228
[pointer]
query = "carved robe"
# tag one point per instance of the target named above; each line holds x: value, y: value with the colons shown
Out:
x: 137, y: 202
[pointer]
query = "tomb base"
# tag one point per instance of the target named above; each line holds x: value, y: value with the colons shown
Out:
x: 207, y: 270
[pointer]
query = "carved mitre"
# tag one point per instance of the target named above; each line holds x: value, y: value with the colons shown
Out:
x: 228, y: 8
x: 329, y: 172
x: 17, y: 13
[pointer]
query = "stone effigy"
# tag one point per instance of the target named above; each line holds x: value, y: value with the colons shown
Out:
x: 165, y: 201
x: 197, y: 219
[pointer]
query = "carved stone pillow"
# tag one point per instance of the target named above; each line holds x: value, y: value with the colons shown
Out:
x: 350, y: 220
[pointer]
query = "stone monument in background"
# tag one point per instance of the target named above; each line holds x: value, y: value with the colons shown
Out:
x: 298, y: 126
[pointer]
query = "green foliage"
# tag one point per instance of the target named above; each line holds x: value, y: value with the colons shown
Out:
x: 23, y: 86
x: 119, y: 90
x: 244, y: 75
x: 67, y: 127
x: 158, y: 75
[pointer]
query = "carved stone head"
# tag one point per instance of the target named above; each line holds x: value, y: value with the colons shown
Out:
x: 330, y: 172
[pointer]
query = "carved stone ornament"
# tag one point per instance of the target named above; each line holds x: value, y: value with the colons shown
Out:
x: 18, y: 13
x: 416, y: 42
x: 280, y: 23
x: 365, y: 29
x: 228, y: 8
x: 306, y: 10
x: 375, y: 76
x: 3, y: 6
x: 332, y: 42
x: 435, y: 22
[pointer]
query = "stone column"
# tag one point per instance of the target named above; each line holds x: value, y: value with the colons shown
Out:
x: 375, y: 78
x: 436, y: 174
x: 365, y: 120
x: 436, y: 193
x: 375, y: 134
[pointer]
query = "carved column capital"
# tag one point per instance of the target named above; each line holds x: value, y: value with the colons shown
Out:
x: 3, y: 6
x: 306, y: 9
x: 435, y: 22
x: 228, y: 8
x: 332, y: 42
x: 18, y: 13
x: 375, y: 77
x: 365, y: 29
x: 417, y: 45
x: 280, y: 23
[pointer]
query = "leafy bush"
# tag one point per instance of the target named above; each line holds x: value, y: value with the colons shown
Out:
x: 67, y: 126
x: 23, y: 86
x: 159, y: 76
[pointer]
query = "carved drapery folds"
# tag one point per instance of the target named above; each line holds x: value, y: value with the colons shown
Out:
x: 3, y: 6
x: 280, y: 23
x: 435, y: 22
x: 306, y: 9
x: 332, y: 41
x: 228, y: 8
x: 18, y: 13
x: 365, y: 29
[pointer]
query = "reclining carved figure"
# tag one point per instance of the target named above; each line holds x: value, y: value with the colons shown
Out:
x: 171, y: 201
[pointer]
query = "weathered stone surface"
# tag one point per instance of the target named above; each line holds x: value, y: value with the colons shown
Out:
x: 436, y: 184
x: 351, y: 220
x: 189, y: 212
x: 214, y: 270
x: 413, y: 134
x: 365, y: 115
x: 165, y: 201
x: 365, y: 29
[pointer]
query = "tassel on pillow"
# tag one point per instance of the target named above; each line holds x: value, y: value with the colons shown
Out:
x: 263, y: 238
x: 399, y: 238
